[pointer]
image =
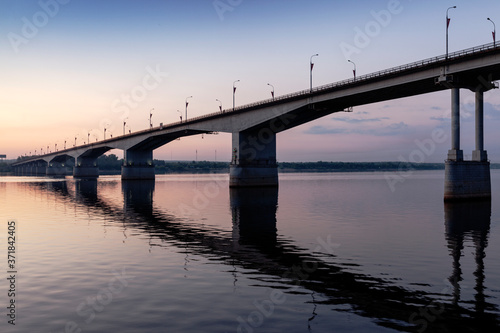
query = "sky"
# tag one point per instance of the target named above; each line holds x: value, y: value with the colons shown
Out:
x: 73, y: 67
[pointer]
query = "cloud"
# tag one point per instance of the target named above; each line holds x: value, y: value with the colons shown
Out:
x: 391, y: 130
x: 440, y: 118
x: 357, y: 121
x: 324, y: 130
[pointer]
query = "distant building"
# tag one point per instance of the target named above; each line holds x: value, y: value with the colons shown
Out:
x: 2, y: 157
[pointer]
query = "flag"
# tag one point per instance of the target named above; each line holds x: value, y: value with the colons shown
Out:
x: 493, y: 33
x: 354, y: 72
x: 187, y: 103
x: 220, y: 108
x: 234, y: 90
x: 447, y: 22
x: 312, y: 65
x: 272, y: 93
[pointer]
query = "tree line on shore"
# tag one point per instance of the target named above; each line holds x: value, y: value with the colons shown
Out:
x: 112, y: 164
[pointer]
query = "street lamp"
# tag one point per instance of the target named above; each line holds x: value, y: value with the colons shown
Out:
x: 354, y: 70
x: 124, y: 123
x: 150, y: 115
x: 234, y: 90
x: 494, y: 31
x: 220, y: 106
x: 75, y: 142
x: 186, y: 119
x: 311, y: 71
x: 272, y: 91
x: 447, y: 25
x: 55, y: 147
x: 104, y: 133
x: 180, y: 115
x: 88, y: 137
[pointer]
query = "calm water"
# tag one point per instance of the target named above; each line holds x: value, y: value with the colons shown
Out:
x: 334, y: 252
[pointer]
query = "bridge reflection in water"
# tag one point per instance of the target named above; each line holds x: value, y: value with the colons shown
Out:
x: 254, y: 244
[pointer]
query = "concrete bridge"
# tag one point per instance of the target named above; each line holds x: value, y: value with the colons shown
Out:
x: 254, y: 126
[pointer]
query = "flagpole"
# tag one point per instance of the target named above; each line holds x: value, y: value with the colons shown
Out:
x: 447, y: 24
x: 311, y: 71
x: 234, y: 90
x: 494, y: 31
x: 272, y: 92
x: 187, y: 107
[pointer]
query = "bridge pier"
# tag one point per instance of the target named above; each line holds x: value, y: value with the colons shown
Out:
x: 138, y: 164
x: 465, y: 180
x: 86, y: 167
x: 254, y: 159
x: 55, y: 169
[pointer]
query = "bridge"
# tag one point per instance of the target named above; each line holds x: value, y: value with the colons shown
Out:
x: 254, y: 126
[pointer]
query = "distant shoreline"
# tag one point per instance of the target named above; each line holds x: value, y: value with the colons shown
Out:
x: 113, y: 167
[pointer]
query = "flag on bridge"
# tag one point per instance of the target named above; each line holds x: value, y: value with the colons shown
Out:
x: 448, y: 22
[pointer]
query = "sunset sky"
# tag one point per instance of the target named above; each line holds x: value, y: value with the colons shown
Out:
x: 67, y: 67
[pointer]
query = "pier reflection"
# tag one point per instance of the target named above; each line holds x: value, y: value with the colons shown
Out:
x: 468, y: 222
x: 254, y: 215
x: 253, y: 244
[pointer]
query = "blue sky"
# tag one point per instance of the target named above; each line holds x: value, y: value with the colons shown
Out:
x: 68, y: 75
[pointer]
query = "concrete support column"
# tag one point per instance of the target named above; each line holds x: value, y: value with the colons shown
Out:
x: 40, y: 169
x: 466, y: 180
x: 86, y: 167
x: 253, y: 160
x: 138, y: 164
x: 55, y: 169
x: 479, y: 154
x: 455, y: 154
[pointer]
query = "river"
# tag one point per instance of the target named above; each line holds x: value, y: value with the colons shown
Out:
x: 326, y: 252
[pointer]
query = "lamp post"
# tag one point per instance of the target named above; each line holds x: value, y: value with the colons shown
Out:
x: 180, y: 115
x: 88, y: 137
x: 75, y: 142
x: 311, y: 71
x: 447, y: 25
x: 124, y: 123
x: 272, y: 91
x: 354, y: 70
x: 64, y: 144
x: 104, y: 133
x: 150, y: 116
x: 186, y: 119
x: 220, y: 106
x: 494, y: 31
x: 234, y: 90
